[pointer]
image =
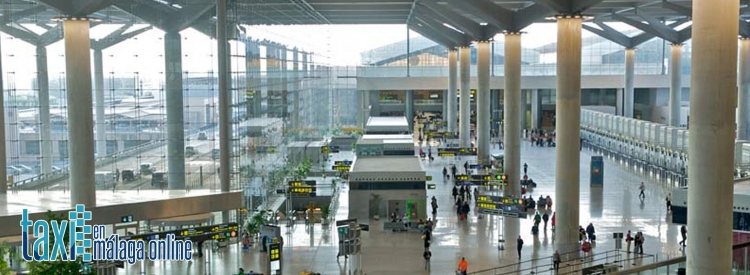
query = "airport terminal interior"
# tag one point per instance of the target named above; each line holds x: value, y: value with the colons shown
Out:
x: 379, y: 137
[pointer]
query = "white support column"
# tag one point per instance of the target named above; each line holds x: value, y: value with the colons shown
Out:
x: 295, y: 89
x: 100, y: 120
x: 175, y: 109
x: 42, y: 77
x: 568, y: 128
x: 80, y: 118
x: 452, y: 87
x: 3, y: 151
x: 536, y: 109
x: 743, y: 104
x: 225, y: 122
x: 483, y: 102
x: 629, y: 83
x: 464, y: 134
x: 675, y: 87
x: 713, y: 97
x: 409, y: 108
x: 512, y: 127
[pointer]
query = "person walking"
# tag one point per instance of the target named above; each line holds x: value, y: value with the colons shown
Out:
x: 553, y: 222
x: 669, y: 202
x: 683, y: 232
x: 525, y: 168
x: 628, y: 240
x: 445, y: 173
x: 545, y: 218
x: 556, y: 261
x: 427, y: 255
x: 590, y: 232
x: 463, y: 266
x: 519, y: 244
x: 455, y: 193
x: 434, y: 205
x: 642, y: 195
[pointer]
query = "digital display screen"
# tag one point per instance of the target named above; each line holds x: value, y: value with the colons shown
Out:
x: 301, y: 190
x: 462, y: 177
x: 487, y: 205
x: 344, y: 168
x: 274, y: 252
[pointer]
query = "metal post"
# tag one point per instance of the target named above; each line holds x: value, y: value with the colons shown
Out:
x: 101, y: 137
x: 42, y: 75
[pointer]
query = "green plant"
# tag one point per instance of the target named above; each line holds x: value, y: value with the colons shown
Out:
x: 256, y: 221
x: 325, y: 212
x: 4, y: 251
x: 59, y: 267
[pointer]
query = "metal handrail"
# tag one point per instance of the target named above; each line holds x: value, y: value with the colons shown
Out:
x: 652, y: 266
x: 669, y: 262
x: 521, y: 263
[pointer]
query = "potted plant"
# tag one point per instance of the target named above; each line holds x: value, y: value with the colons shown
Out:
x: 324, y: 214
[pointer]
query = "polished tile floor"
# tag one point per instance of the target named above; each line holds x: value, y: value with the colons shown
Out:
x: 613, y: 208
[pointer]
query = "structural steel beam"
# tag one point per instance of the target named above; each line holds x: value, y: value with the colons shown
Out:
x: 527, y: 16
x: 79, y: 8
x: 686, y: 11
x: 569, y: 6
x: 446, y: 32
x: 471, y: 28
x: 615, y: 37
x: 51, y: 36
x: 116, y: 37
x: 430, y: 34
x: 495, y: 16
x: 13, y: 17
x: 664, y: 33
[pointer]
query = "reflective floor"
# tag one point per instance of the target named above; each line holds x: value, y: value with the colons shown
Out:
x: 613, y: 208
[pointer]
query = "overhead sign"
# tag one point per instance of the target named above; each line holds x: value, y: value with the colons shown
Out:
x: 341, y: 168
x: 303, y: 188
x: 128, y: 218
x: 451, y: 152
x: 329, y: 149
x: 431, y: 186
x: 196, y: 234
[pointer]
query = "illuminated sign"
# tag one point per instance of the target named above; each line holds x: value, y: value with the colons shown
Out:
x: 487, y: 205
x: 446, y: 154
x: 304, y: 188
x: 128, y: 218
x: 429, y: 178
x: 342, y: 168
x: 482, y: 177
x: 431, y: 186
x: 462, y: 177
x: 457, y: 152
x: 196, y: 234
x: 342, y: 163
x: 274, y: 252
